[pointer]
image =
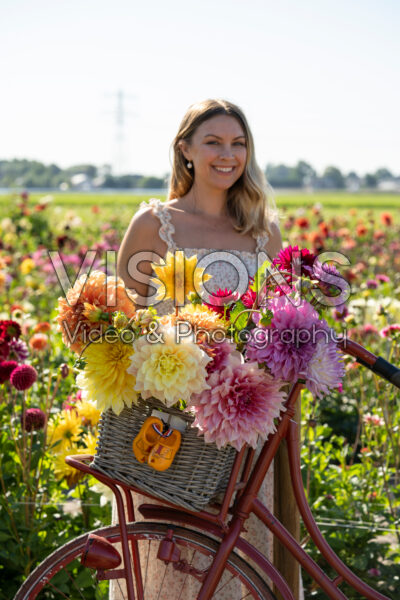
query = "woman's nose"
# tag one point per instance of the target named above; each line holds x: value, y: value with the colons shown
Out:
x: 226, y: 152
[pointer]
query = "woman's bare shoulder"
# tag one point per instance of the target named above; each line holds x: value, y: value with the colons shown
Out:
x: 274, y: 243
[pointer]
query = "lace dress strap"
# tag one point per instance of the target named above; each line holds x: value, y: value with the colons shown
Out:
x: 167, y: 229
x: 261, y: 239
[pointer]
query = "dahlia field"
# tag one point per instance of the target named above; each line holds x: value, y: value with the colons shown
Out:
x: 350, y: 438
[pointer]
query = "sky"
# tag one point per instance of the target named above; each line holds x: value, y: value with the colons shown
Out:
x: 317, y: 80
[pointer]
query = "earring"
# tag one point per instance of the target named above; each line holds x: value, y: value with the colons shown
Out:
x: 189, y: 165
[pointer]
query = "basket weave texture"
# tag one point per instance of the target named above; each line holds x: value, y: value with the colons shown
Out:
x: 198, y: 473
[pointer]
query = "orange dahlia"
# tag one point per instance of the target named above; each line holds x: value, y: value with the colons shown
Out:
x: 198, y: 316
x: 108, y: 294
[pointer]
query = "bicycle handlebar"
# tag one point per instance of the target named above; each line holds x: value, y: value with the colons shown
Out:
x: 374, y: 363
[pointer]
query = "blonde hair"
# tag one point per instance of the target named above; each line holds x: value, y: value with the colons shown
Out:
x: 250, y: 200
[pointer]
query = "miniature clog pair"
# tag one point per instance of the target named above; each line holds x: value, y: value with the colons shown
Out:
x: 154, y: 446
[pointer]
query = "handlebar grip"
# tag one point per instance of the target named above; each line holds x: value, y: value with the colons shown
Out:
x: 386, y: 370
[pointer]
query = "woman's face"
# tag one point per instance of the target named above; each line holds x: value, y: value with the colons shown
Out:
x: 218, y: 151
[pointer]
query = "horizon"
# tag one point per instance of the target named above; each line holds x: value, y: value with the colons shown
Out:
x: 316, y: 83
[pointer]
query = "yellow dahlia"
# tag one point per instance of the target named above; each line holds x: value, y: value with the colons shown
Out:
x: 63, y: 470
x: 105, y: 379
x: 170, y: 369
x: 64, y: 431
x: 2, y: 280
x: 90, y: 441
x: 107, y: 294
x: 88, y: 412
x: 179, y: 276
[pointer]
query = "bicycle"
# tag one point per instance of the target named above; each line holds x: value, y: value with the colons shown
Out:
x: 165, y: 531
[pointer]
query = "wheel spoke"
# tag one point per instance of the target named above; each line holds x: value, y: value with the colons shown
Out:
x: 58, y: 590
x: 226, y: 583
x: 186, y: 576
x: 162, y: 581
x: 147, y: 567
x: 74, y: 584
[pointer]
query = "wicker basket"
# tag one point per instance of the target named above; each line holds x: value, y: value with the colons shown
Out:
x: 199, y: 472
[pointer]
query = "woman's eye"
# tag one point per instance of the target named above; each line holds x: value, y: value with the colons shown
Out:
x: 212, y: 142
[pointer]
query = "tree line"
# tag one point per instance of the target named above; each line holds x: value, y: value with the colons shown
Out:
x: 34, y: 174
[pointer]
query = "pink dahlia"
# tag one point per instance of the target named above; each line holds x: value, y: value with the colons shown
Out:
x: 6, y: 368
x: 220, y: 298
x: 33, y: 419
x: 23, y: 377
x: 390, y: 330
x: 220, y: 352
x: 287, y: 344
x: 240, y: 405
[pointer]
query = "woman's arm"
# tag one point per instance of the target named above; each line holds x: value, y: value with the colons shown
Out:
x: 141, y: 237
x: 274, y: 244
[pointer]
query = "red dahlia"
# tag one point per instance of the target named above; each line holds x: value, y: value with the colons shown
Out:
x: 23, y: 377
x: 6, y: 368
x: 9, y: 330
x: 33, y: 419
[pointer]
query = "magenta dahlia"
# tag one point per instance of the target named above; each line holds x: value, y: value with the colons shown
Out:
x: 33, y: 419
x: 241, y: 404
x: 220, y: 298
x: 23, y: 377
x: 6, y: 368
x: 249, y: 297
x: 294, y: 259
x: 288, y: 343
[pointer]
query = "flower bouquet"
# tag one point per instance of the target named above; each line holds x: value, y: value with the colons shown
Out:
x: 217, y: 368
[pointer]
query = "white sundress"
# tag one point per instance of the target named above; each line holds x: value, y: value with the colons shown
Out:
x: 224, y: 275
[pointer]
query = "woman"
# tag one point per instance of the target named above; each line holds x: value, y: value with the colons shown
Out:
x: 217, y: 201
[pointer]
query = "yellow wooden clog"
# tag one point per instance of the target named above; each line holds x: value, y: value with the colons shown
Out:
x: 163, y: 452
x: 148, y: 435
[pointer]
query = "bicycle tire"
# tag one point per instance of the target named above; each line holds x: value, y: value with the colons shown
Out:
x: 35, y: 586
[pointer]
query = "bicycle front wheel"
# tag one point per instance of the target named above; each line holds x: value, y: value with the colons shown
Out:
x: 61, y: 574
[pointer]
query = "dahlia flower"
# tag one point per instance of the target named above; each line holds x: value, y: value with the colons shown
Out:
x: 88, y: 412
x: 106, y: 293
x: 105, y: 379
x: 221, y: 299
x: 325, y: 369
x: 249, y: 297
x: 241, y: 403
x: 38, y: 342
x: 170, y: 369
x: 287, y: 344
x: 23, y: 377
x: 9, y: 330
x: 295, y: 259
x: 178, y: 271
x: 19, y: 349
x: 6, y: 368
x: 198, y: 316
x: 220, y: 353
x: 33, y: 419
x: 64, y: 431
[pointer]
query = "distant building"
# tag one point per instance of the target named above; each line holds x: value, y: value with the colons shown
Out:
x: 389, y: 185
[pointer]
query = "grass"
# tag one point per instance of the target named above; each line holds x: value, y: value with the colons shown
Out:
x: 127, y: 204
